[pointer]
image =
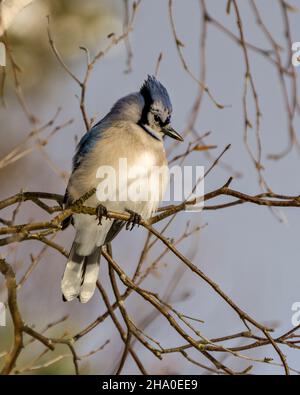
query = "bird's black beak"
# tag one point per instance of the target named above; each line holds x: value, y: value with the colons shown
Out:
x: 169, y: 131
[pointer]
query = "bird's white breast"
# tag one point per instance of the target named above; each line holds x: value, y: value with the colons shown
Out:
x: 139, y: 167
x: 146, y: 183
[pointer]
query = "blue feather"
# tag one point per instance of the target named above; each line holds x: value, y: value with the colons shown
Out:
x: 152, y: 91
x: 128, y: 108
x: 86, y: 144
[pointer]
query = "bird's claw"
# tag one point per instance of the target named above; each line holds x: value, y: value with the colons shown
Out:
x: 101, y: 212
x: 134, y: 219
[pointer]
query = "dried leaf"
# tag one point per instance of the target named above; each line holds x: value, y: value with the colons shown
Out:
x: 204, y: 147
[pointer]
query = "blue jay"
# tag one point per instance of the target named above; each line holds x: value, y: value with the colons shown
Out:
x: 133, y: 130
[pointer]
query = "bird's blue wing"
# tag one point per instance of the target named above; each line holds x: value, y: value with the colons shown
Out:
x: 84, y: 146
x: 87, y: 143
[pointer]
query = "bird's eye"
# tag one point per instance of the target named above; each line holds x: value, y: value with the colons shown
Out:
x: 157, y: 119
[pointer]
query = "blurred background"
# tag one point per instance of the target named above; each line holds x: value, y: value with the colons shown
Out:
x: 250, y: 251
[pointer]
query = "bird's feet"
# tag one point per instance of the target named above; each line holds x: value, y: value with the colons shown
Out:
x: 134, y: 219
x: 101, y: 212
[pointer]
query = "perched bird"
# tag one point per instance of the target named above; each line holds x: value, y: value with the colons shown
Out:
x: 133, y: 131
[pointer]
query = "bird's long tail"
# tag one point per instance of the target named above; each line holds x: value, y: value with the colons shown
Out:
x: 81, y: 274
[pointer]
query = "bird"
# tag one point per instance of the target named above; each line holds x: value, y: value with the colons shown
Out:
x: 133, y: 131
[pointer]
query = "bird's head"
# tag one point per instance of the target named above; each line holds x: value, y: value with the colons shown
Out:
x: 156, y: 114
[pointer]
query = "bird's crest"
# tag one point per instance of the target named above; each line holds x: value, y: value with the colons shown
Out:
x: 152, y: 90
